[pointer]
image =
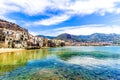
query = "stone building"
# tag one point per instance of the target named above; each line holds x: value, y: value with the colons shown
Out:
x: 45, y: 42
x: 12, y: 35
x: 34, y: 42
x: 57, y: 42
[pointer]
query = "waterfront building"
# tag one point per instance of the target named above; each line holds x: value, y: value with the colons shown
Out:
x: 58, y: 42
x: 12, y: 35
x: 45, y: 42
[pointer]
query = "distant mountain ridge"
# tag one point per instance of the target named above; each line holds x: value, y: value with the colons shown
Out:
x: 49, y: 37
x: 100, y: 37
x: 66, y: 37
x: 96, y: 37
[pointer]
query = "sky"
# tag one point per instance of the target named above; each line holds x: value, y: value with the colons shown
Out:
x: 54, y: 17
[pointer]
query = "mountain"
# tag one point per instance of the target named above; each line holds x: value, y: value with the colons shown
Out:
x: 96, y: 37
x: 49, y: 37
x: 66, y: 37
x: 100, y: 37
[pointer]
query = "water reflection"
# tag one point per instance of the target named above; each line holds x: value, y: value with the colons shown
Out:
x: 92, y: 63
x: 94, y: 54
x: 9, y: 61
x: 65, y: 63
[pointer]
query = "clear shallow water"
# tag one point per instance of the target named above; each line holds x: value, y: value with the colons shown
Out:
x: 65, y: 63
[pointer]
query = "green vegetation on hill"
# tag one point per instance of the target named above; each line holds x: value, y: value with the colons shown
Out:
x: 96, y: 37
x: 69, y: 37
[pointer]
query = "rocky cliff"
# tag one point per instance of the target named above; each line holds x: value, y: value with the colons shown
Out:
x: 11, y: 26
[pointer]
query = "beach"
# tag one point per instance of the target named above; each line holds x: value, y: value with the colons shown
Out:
x: 5, y: 50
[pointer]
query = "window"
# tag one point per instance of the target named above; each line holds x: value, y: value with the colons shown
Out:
x: 7, y: 39
x: 9, y: 32
x: 3, y: 39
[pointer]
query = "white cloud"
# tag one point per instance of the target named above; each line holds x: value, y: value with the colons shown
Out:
x: 90, y: 29
x: 53, y: 20
x: 7, y: 8
x: 83, y: 30
x: 36, y: 7
x: 94, y: 6
x: 80, y: 7
x: 31, y: 7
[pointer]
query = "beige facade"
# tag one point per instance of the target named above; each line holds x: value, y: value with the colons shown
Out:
x: 34, y: 41
x: 57, y: 42
x: 13, y: 39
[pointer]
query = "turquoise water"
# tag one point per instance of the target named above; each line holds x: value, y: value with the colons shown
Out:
x: 64, y: 63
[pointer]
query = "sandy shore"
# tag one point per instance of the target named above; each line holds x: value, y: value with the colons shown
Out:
x: 4, y: 50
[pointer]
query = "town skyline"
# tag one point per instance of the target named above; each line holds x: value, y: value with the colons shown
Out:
x: 77, y: 17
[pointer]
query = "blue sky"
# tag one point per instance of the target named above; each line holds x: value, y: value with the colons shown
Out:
x: 53, y: 17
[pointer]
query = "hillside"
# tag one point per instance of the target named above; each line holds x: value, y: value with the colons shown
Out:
x: 11, y: 26
x: 67, y: 37
x: 96, y: 37
x: 99, y: 37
